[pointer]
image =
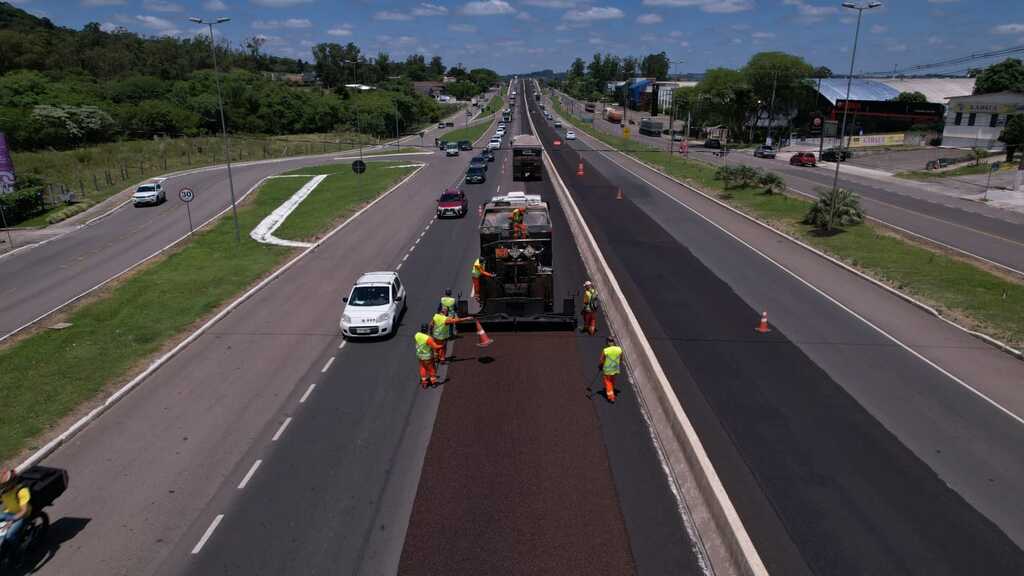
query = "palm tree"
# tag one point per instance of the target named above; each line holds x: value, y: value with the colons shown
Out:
x: 771, y: 182
x: 835, y: 208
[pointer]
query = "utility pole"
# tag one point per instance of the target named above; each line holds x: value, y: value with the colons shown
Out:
x: 223, y: 123
x: 771, y: 109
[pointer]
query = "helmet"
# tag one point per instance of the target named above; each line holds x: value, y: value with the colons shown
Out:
x: 587, y: 284
x: 425, y: 328
x: 609, y: 340
x: 447, y: 291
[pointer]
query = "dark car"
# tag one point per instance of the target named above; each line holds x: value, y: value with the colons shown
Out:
x: 476, y: 174
x: 712, y: 143
x: 832, y: 154
x: 442, y: 144
x: 452, y: 203
x: 465, y: 145
x: 487, y: 154
x: 764, y: 152
x: 449, y: 124
x: 478, y: 161
x: 803, y: 159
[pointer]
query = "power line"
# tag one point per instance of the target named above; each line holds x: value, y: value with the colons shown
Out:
x: 950, y: 62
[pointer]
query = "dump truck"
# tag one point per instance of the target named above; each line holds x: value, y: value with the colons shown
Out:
x: 520, y: 296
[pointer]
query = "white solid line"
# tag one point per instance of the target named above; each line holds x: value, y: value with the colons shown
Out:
x: 328, y: 365
x: 342, y: 345
x: 417, y: 241
x: 280, y: 430
x: 306, y: 395
x: 249, y: 474
x: 427, y: 227
x: 399, y: 267
x: 498, y: 192
x: 208, y: 533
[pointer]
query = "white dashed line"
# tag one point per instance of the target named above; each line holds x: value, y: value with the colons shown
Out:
x: 306, y: 395
x: 208, y: 533
x: 399, y: 267
x: 406, y: 257
x: 342, y: 345
x: 280, y: 430
x: 417, y: 241
x: 248, y: 475
x: 328, y: 365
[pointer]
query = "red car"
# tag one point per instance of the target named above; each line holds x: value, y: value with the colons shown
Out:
x: 803, y: 159
x: 452, y: 203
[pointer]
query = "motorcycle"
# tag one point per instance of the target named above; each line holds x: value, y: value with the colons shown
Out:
x: 45, y: 485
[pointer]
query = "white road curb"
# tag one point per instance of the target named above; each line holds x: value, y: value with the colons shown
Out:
x: 114, y: 398
x: 264, y: 231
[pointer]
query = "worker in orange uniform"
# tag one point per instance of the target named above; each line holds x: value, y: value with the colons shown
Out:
x: 519, y: 223
x: 478, y: 271
x: 610, y: 366
x: 426, y: 348
x: 441, y: 332
x: 589, y: 308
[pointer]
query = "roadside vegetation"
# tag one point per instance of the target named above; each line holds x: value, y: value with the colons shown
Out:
x: 48, y: 374
x: 497, y: 103
x: 472, y: 132
x: 983, y: 300
x: 968, y: 170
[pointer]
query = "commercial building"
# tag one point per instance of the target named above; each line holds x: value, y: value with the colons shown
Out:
x: 664, y: 91
x: 433, y: 89
x: 976, y: 121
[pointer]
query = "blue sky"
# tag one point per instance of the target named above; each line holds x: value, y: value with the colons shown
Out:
x: 524, y: 35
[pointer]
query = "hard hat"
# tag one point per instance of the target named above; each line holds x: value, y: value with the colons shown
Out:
x: 447, y: 291
x: 610, y: 340
x: 424, y: 327
x: 587, y: 283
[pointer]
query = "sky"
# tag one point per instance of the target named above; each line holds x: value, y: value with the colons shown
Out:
x: 512, y: 36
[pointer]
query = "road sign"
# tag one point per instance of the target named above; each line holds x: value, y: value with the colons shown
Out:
x: 625, y: 131
x: 186, y: 195
x: 995, y: 167
x: 359, y: 166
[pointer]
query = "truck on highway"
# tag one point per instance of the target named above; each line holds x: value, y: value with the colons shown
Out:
x: 527, y: 163
x: 520, y: 296
x: 589, y: 107
x: 613, y: 115
x: 650, y: 127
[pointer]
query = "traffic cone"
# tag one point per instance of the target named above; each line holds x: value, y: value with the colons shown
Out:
x: 619, y: 195
x: 485, y: 340
x: 579, y: 171
x: 763, y: 326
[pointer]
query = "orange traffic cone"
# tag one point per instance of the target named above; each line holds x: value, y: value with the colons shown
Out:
x: 763, y: 326
x: 619, y: 195
x: 579, y: 171
x: 485, y: 340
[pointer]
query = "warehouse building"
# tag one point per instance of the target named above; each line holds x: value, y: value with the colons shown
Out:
x: 976, y: 121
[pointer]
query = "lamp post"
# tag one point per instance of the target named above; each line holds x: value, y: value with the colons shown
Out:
x: 359, y: 136
x: 672, y: 111
x: 860, y: 8
x: 223, y: 123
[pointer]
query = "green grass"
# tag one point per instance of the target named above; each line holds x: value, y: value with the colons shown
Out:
x: 986, y: 301
x: 496, y: 104
x: 471, y: 133
x: 48, y: 374
x: 969, y: 170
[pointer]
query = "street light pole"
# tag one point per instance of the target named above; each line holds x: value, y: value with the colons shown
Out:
x: 849, y: 81
x: 223, y: 123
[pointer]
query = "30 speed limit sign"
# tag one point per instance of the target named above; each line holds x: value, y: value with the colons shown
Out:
x: 186, y: 195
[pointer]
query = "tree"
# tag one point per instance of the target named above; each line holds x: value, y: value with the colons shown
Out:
x: 655, y: 66
x: 835, y: 208
x: 822, y: 72
x: 436, y: 67
x: 779, y: 76
x: 911, y: 98
x: 629, y: 68
x: 1013, y: 135
x: 725, y: 98
x: 1006, y: 76
x: 577, y: 69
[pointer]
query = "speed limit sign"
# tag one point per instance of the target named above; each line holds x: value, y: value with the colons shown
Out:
x: 186, y: 195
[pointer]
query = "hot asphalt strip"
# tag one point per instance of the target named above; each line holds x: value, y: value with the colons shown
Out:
x: 821, y: 485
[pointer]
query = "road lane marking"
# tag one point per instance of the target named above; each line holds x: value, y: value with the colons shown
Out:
x: 417, y: 241
x: 280, y: 430
x: 328, y: 365
x: 207, y: 534
x: 342, y: 345
x: 399, y: 267
x: 249, y: 474
x: 306, y: 395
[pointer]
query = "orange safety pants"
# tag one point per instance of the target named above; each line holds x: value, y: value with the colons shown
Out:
x: 428, y: 369
x: 442, y: 352
x: 590, y: 321
x: 519, y: 230
x: 609, y: 386
x: 476, y: 288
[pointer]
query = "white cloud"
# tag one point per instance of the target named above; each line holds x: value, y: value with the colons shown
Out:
x: 649, y: 19
x: 391, y: 15
x: 291, y: 23
x: 467, y: 28
x: 427, y: 9
x: 108, y: 26
x: 736, y: 41
x: 162, y: 6
x: 94, y: 3
x: 397, y: 41
x: 1008, y: 29
x: 279, y: 3
x: 763, y: 35
x: 340, y: 31
x: 156, y: 23
x: 942, y: 1
x: 271, y: 40
x: 878, y: 29
x: 213, y: 5
x: 551, y: 3
x: 596, y: 41
x: 488, y: 8
x: 593, y: 13
x: 525, y: 16
x: 675, y: 34
x: 897, y: 47
x: 562, y: 28
x: 935, y: 40
x: 713, y: 6
x: 684, y: 44
x: 307, y: 43
x: 740, y: 27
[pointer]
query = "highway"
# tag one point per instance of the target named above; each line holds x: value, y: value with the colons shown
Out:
x: 271, y: 446
x: 844, y: 451
x: 38, y: 280
x: 990, y: 234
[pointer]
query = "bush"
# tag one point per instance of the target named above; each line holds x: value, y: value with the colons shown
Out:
x: 834, y: 208
x: 22, y: 204
x: 771, y: 182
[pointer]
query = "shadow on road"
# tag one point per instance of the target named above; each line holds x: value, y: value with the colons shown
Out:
x: 61, y: 531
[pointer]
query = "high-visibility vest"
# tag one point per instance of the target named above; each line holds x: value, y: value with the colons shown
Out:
x: 423, y: 350
x: 612, y: 360
x: 440, y: 328
x: 477, y: 268
x: 590, y: 299
x: 448, y: 304
x: 517, y: 215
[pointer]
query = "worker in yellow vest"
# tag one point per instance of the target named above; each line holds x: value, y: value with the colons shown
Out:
x: 519, y: 223
x: 447, y: 307
x: 439, y: 325
x: 426, y: 349
x: 610, y: 366
x: 589, y: 308
x: 478, y: 271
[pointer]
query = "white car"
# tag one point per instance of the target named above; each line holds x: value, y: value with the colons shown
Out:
x: 501, y: 125
x: 149, y: 193
x: 570, y: 135
x: 494, y: 143
x: 374, y: 306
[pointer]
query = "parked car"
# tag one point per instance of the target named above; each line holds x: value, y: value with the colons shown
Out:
x: 803, y: 159
x: 449, y: 124
x: 374, y: 306
x: 712, y: 143
x: 465, y: 145
x: 478, y: 160
x: 764, y: 152
x: 476, y: 174
x: 834, y: 154
x: 440, y: 124
x: 452, y: 203
x: 570, y: 135
x: 149, y: 193
x: 487, y: 153
x: 451, y: 149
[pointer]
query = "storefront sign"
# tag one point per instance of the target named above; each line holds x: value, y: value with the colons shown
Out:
x: 877, y: 140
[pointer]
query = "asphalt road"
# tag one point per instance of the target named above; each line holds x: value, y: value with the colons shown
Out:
x: 37, y: 280
x: 843, y: 452
x: 341, y: 432
x: 990, y: 233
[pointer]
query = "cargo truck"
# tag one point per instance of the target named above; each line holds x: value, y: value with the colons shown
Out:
x: 650, y: 127
x: 613, y: 115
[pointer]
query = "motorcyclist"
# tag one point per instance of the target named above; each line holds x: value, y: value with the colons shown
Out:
x: 15, y: 504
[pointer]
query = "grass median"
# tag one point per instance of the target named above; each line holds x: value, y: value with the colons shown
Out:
x: 496, y: 104
x: 983, y: 300
x: 471, y: 133
x: 46, y: 376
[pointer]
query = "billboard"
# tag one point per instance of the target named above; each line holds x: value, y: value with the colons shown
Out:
x: 6, y: 167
